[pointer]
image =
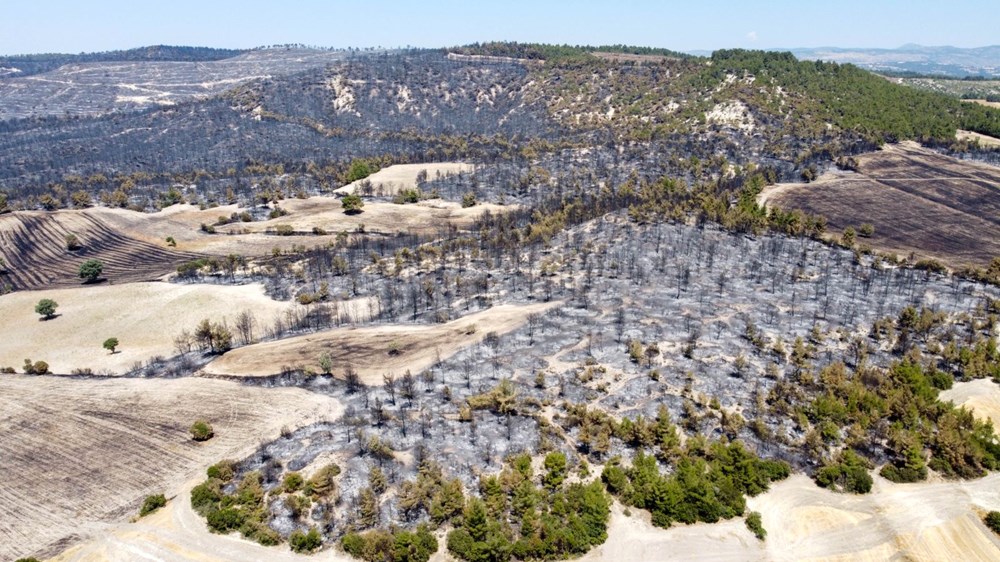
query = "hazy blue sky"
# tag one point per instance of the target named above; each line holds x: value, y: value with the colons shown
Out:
x: 31, y: 26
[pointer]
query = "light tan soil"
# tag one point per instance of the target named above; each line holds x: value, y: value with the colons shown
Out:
x: 145, y: 317
x: 368, y: 349
x: 80, y: 455
x: 982, y: 396
x: 392, y: 179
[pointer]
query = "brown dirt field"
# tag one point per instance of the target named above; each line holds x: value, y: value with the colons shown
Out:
x: 367, y: 349
x: 145, y: 317
x: 79, y: 455
x: 34, y: 247
x: 390, y: 180
x: 176, y: 533
x: 987, y: 103
x: 924, y: 521
x: 919, y: 201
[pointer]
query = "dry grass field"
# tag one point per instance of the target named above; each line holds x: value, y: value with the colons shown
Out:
x: 920, y: 202
x: 183, y: 224
x: 34, y: 246
x: 327, y: 213
x: 390, y: 180
x: 79, y: 455
x: 145, y: 317
x: 983, y: 140
x: 377, y: 350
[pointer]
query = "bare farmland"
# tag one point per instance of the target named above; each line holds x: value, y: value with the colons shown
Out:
x: 145, y: 317
x: 83, y: 453
x: 377, y: 350
x: 35, y: 248
x: 919, y: 202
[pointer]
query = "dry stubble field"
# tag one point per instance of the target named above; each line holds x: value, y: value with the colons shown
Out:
x: 368, y: 349
x: 145, y: 317
x: 79, y: 455
x: 920, y: 202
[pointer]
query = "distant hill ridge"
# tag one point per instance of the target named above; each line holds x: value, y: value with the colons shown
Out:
x: 26, y: 65
x: 949, y: 61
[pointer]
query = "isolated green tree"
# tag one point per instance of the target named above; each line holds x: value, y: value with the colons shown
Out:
x: 352, y: 204
x: 201, y: 430
x: 47, y: 308
x: 110, y: 344
x: 90, y: 270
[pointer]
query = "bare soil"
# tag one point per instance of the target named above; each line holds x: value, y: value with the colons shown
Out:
x: 258, y: 238
x: 982, y: 396
x: 78, y: 455
x: 145, y: 317
x: 374, y: 351
x: 327, y: 213
x: 392, y: 179
x: 920, y: 202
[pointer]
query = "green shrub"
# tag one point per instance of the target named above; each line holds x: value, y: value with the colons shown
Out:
x: 90, y: 270
x: 201, y: 430
x: 46, y: 308
x: 992, y: 521
x: 225, y: 520
x: 222, y: 470
x: 849, y: 473
x: 292, y: 482
x: 755, y: 525
x: 305, y: 542
x: 352, y: 204
x: 151, y: 504
x: 206, y: 495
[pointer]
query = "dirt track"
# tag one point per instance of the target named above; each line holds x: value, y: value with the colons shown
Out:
x: 78, y: 455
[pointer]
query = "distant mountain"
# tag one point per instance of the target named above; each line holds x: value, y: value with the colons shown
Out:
x: 946, y: 61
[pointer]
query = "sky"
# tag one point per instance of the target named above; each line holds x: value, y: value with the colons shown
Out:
x: 73, y: 26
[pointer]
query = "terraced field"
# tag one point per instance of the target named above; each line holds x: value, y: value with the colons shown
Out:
x: 34, y: 246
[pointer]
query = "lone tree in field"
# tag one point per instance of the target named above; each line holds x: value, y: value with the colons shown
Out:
x: 201, y: 430
x: 47, y: 308
x: 90, y: 270
x: 110, y: 344
x: 352, y: 204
